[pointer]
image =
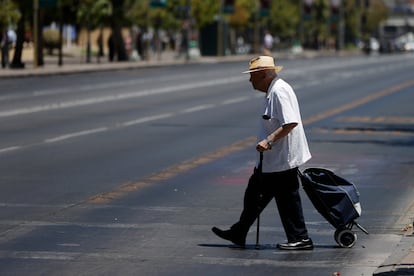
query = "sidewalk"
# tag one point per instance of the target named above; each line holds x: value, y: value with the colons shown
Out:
x: 401, y: 260
x: 74, y: 62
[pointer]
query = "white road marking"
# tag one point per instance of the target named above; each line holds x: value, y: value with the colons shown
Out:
x: 198, y: 108
x: 146, y: 119
x: 75, y: 134
x: 130, y: 123
x: 117, y: 97
x: 39, y: 255
x: 12, y: 148
x: 236, y: 100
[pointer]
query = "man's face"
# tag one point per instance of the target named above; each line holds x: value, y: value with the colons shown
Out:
x: 256, y: 78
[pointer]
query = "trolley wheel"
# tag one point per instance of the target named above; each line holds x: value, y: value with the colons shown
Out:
x: 345, y: 238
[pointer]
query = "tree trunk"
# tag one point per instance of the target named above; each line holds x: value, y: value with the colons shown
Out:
x: 18, y: 50
x: 40, y: 59
x: 118, y: 40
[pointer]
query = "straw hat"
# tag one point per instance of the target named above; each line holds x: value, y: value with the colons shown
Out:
x: 262, y: 63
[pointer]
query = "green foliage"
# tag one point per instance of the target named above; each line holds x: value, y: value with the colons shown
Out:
x: 204, y: 11
x: 317, y: 29
x: 93, y: 13
x: 352, y: 14
x: 138, y: 11
x: 9, y: 13
x: 376, y: 13
x: 284, y: 19
x: 170, y: 17
x: 243, y: 13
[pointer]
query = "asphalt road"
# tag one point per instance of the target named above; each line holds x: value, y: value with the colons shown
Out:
x: 125, y: 172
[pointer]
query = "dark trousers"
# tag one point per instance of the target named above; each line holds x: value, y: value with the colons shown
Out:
x: 284, y: 188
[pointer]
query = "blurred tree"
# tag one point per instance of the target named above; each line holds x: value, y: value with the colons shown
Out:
x: 228, y: 6
x: 284, y: 19
x: 242, y: 14
x: 9, y: 15
x: 93, y: 14
x: 352, y: 19
x: 239, y: 20
x: 265, y: 6
x: 169, y: 17
x: 323, y: 19
x: 376, y: 13
x: 117, y: 21
x: 204, y: 11
x: 138, y: 12
x: 318, y: 28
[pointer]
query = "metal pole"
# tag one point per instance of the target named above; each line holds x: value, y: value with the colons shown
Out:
x: 256, y: 38
x: 260, y: 171
x: 220, y: 30
x: 341, y: 27
x: 257, y: 246
x: 301, y: 23
x: 146, y: 35
x: 35, y: 32
x: 60, y: 58
x: 187, y: 31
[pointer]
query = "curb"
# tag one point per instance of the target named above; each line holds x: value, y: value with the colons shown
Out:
x: 82, y: 68
x: 74, y: 68
x: 401, y: 260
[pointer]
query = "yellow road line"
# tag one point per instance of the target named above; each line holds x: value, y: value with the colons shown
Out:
x: 357, y: 103
x: 344, y: 131
x: 168, y: 173
x: 378, y: 120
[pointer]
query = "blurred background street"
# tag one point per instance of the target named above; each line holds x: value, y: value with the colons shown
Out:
x: 119, y: 162
x: 42, y: 32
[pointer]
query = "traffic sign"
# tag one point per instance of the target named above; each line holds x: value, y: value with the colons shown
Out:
x: 158, y: 3
x: 47, y: 3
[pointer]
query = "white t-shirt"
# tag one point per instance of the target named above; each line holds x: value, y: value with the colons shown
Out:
x: 281, y: 107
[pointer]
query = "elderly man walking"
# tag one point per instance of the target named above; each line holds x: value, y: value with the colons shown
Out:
x: 281, y: 138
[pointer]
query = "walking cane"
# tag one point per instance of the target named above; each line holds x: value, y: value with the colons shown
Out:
x: 259, y: 171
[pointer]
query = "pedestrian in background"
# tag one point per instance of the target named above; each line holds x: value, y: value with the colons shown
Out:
x: 268, y: 43
x: 4, y: 49
x: 282, y: 140
x: 111, y: 48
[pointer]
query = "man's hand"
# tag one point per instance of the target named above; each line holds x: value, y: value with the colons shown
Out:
x: 281, y: 132
x: 263, y: 146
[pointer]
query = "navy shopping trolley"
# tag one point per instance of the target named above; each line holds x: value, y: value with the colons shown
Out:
x: 337, y: 200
